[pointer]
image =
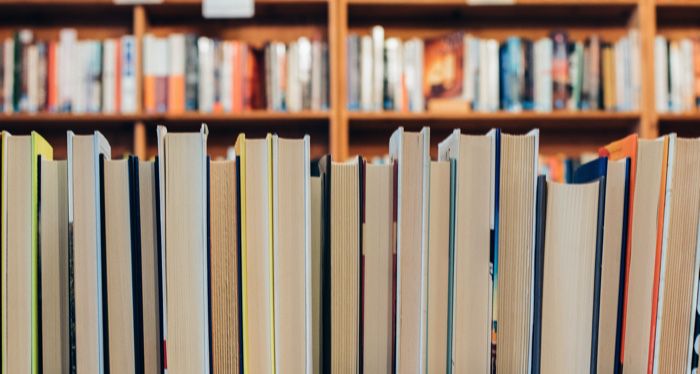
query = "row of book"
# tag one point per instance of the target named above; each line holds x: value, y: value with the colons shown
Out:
x: 268, y: 261
x: 677, y: 74
x: 186, y: 72
x: 68, y: 75
x: 182, y: 72
x: 462, y: 71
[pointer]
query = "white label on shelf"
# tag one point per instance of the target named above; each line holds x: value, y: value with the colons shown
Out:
x: 491, y: 2
x: 228, y: 8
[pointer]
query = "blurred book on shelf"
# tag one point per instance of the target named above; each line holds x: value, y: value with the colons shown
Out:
x: 186, y: 72
x: 677, y: 74
x: 462, y: 72
x: 67, y: 75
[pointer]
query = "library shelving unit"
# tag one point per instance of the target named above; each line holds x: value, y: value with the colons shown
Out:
x: 338, y: 130
x: 561, y: 131
x: 274, y: 20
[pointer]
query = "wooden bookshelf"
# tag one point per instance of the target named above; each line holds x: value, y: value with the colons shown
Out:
x: 338, y: 130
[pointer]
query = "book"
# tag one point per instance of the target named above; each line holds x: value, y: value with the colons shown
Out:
x: 377, y: 67
x: 53, y: 253
x: 185, y: 244
x: 20, y: 173
x: 342, y: 246
x: 410, y: 151
x: 560, y: 70
x: 316, y: 212
x: 86, y: 254
x: 573, y: 240
x: 443, y: 68
x: 679, y: 262
x: 513, y: 256
x: 151, y: 253
x: 616, y: 175
x: 176, y: 73
x: 645, y: 254
x: 122, y: 249
x: 292, y: 253
x: 224, y: 257
x: 129, y: 86
x: 257, y: 285
x: 474, y: 219
x: 622, y: 149
x: 438, y: 266
x: 377, y: 268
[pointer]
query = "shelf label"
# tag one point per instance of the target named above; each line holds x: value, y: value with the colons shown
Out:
x: 228, y: 8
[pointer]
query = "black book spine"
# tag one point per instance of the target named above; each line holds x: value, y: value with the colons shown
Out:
x: 597, y: 275
x: 324, y: 166
x: 160, y: 254
x: 136, y: 263
x: 103, y: 265
x: 540, y: 223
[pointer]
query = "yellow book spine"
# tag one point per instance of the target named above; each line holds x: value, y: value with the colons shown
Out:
x: 270, y: 233
x: 40, y: 147
x: 240, y: 151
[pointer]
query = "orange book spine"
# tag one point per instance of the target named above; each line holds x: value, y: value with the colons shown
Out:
x: 618, y: 150
x: 657, y: 261
x: 176, y: 96
x: 149, y: 93
x: 118, y: 79
x: 52, y: 99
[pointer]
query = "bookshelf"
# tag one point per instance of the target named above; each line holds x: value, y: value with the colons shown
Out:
x: 338, y: 130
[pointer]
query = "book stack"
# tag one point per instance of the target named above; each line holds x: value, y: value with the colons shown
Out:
x: 677, y: 74
x: 268, y: 261
x: 67, y: 75
x: 186, y: 72
x: 461, y: 72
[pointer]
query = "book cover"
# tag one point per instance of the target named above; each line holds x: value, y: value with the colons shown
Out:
x: 443, y: 67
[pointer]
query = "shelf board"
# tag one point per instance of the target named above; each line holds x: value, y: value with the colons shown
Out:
x: 251, y: 116
x: 69, y: 118
x: 680, y: 118
x: 555, y: 120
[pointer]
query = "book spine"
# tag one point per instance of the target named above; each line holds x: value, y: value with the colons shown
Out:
x: 560, y: 70
x: 128, y: 74
x: 191, y: 73
x: 176, y: 74
x: 527, y: 88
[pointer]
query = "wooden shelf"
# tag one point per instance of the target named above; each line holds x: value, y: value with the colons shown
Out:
x: 52, y: 118
x: 557, y: 120
x: 680, y: 118
x: 253, y: 116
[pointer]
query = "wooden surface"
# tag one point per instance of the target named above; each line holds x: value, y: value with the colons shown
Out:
x: 338, y: 130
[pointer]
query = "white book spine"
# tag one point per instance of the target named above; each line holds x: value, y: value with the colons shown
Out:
x: 687, y: 71
x: 68, y: 65
x: 483, y: 76
x: 32, y: 78
x: 675, y: 69
x: 206, y: 74
x: 473, y: 72
x: 419, y: 99
x: 128, y: 75
x: 292, y: 96
x: 226, y: 76
x: 493, y: 86
x: 661, y: 73
x: 109, y: 78
x: 366, y: 76
x: 378, y: 68
x: 80, y: 64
